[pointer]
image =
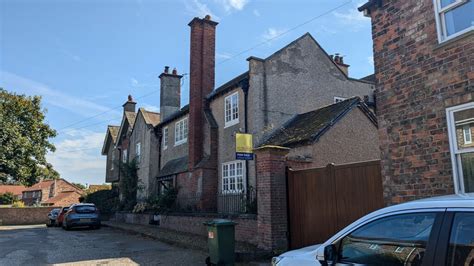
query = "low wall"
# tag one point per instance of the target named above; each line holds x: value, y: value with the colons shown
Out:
x: 23, y: 216
x: 245, y: 230
x: 132, y: 218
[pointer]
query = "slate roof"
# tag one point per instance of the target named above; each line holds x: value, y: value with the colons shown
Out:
x: 370, y: 78
x: 151, y: 118
x: 175, y: 166
x: 308, y: 127
x: 244, y: 77
x: 184, y: 110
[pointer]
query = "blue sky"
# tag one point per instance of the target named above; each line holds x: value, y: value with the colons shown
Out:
x: 85, y: 57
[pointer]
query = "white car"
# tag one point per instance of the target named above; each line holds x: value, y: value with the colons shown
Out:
x: 433, y: 231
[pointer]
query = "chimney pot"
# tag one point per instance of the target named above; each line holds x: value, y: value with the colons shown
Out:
x: 175, y: 72
x: 207, y: 17
x: 167, y: 68
x: 130, y: 99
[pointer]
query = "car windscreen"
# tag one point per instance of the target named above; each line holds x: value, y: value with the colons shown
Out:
x: 85, y: 209
x: 55, y: 211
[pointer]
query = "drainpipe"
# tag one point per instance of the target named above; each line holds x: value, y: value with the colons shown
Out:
x: 245, y: 89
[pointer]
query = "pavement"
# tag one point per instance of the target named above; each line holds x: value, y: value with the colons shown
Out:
x: 39, y: 245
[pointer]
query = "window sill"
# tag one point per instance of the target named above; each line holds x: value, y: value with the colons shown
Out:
x: 180, y: 142
x: 231, y: 123
x: 453, y: 40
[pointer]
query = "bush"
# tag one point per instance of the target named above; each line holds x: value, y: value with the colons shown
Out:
x: 7, y: 198
x: 163, y: 203
x: 18, y: 204
x: 128, y: 185
x: 106, y: 201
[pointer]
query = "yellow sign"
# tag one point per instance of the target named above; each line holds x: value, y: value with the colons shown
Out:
x: 243, y: 143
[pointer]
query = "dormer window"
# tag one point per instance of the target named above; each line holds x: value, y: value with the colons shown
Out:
x: 453, y: 18
x: 231, y: 109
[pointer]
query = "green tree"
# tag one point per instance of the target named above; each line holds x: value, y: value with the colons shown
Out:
x: 128, y: 184
x: 7, y: 198
x: 79, y: 185
x: 24, y: 139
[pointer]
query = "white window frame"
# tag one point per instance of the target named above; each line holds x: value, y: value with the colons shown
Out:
x: 138, y: 151
x: 181, y: 137
x: 455, y: 151
x: 165, y: 138
x: 440, y: 20
x: 124, y: 156
x: 467, y: 129
x: 233, y: 117
x: 223, y: 177
x: 339, y: 99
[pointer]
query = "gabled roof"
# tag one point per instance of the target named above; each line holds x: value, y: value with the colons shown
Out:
x: 14, y: 189
x: 110, y: 137
x: 128, y: 120
x: 175, y: 166
x: 61, y: 196
x: 151, y: 118
x: 310, y: 126
x: 43, y: 184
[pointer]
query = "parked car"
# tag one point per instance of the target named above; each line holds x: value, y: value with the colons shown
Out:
x: 59, y: 220
x: 82, y: 214
x: 431, y: 231
x: 52, y: 216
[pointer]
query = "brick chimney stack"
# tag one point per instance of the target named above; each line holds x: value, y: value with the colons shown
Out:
x: 201, y: 83
x: 129, y: 105
x: 339, y: 60
x: 170, y: 92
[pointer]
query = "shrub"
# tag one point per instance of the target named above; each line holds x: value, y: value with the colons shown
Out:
x: 18, y: 204
x: 129, y: 185
x: 106, y: 201
x: 140, y: 207
x: 164, y: 202
x: 7, y: 198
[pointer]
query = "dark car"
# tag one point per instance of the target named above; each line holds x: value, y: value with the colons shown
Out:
x: 60, y: 218
x: 82, y: 214
x: 52, y: 216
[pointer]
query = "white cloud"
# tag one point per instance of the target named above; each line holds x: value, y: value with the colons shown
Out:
x: 223, y: 55
x: 78, y: 156
x: 352, y: 18
x: 197, y: 8
x: 231, y: 5
x: 272, y: 33
x: 256, y: 13
x: 134, y: 82
x: 57, y: 98
x: 370, y: 60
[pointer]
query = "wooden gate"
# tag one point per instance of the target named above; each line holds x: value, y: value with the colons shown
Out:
x: 321, y: 201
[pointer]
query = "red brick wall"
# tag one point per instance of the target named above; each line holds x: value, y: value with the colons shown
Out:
x: 417, y: 80
x: 201, y: 82
x: 22, y: 216
x: 245, y: 230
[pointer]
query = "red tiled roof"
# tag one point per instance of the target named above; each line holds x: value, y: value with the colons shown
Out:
x: 40, y: 186
x: 15, y: 189
x: 61, y: 196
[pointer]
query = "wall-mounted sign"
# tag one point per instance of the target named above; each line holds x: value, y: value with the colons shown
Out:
x: 243, y: 146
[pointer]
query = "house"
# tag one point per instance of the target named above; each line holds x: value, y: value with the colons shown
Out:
x: 16, y: 190
x: 110, y: 150
x: 424, y: 54
x: 327, y: 135
x: 57, y: 192
x: 198, y: 140
x: 144, y: 148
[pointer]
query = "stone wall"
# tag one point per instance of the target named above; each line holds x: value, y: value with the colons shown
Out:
x: 22, y: 216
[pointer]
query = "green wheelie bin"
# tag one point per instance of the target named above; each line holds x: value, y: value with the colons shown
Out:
x: 221, y: 242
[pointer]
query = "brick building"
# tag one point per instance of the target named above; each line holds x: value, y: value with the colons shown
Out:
x: 424, y: 67
x: 57, y: 192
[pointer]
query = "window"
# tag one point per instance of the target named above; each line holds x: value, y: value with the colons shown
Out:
x: 394, y: 240
x: 453, y: 17
x: 339, y: 99
x: 138, y: 151
x: 232, y: 110
x: 233, y: 177
x: 467, y: 134
x: 461, y: 243
x: 165, y: 138
x: 460, y: 121
x: 181, y: 131
x: 112, y: 161
x: 124, y: 156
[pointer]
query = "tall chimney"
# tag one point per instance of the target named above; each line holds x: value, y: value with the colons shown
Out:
x: 170, y: 92
x: 129, y: 105
x: 339, y: 61
x: 201, y: 83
